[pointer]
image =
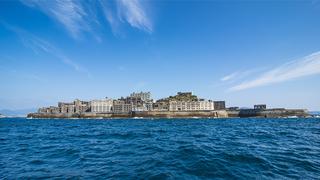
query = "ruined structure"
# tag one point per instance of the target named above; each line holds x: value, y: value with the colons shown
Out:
x: 182, y: 105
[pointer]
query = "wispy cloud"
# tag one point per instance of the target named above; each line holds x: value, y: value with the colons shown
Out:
x: 306, y: 66
x: 239, y: 75
x: 81, y: 16
x: 132, y: 11
x: 109, y: 9
x: 39, y: 46
x: 229, y: 76
x: 70, y: 13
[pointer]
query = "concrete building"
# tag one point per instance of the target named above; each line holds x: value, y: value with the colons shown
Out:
x: 76, y: 106
x: 102, y: 106
x: 120, y: 106
x: 66, y: 108
x: 260, y: 107
x: 145, y: 106
x: 219, y: 105
x: 81, y: 106
x: 136, y: 101
x: 139, y: 101
x: 49, y: 110
x: 149, y: 106
x: 144, y: 96
x: 161, y: 106
x: 191, y: 105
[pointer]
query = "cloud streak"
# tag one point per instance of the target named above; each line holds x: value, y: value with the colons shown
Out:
x: 39, y: 46
x: 230, y: 76
x: 81, y: 16
x: 71, y: 14
x: 133, y: 12
x: 306, y: 66
x: 126, y: 11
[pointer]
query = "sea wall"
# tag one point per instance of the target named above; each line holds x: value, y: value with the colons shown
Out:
x: 181, y: 114
x: 268, y: 113
x: 146, y: 114
x: 82, y: 115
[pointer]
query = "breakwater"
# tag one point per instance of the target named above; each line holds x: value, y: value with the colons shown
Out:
x: 149, y: 114
x: 182, y: 114
x: 268, y: 113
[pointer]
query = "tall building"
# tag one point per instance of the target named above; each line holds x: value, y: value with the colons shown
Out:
x: 101, y: 106
x: 49, y: 110
x: 219, y: 105
x: 149, y: 106
x: 76, y: 106
x: 140, y: 101
x: 120, y: 106
x: 66, y: 108
x: 81, y: 106
x: 145, y: 96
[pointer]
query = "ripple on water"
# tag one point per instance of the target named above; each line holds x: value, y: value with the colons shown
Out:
x: 160, y: 149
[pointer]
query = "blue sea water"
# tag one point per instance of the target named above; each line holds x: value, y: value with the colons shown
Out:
x: 160, y: 149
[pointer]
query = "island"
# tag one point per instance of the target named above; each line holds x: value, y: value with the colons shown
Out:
x: 141, y: 105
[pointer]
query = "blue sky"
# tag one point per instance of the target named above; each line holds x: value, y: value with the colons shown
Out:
x: 244, y: 52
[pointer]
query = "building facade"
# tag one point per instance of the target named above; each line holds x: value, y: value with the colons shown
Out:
x: 141, y: 101
x: 219, y: 105
x: 66, y: 108
x: 76, y: 106
x: 191, y: 106
x: 161, y: 106
x: 49, y: 110
x: 81, y: 106
x: 120, y: 107
x: 102, y: 106
x: 145, y: 96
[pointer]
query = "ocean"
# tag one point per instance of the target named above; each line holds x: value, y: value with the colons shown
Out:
x: 160, y: 148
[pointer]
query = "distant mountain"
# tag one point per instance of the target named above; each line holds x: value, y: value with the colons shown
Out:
x: 17, y: 112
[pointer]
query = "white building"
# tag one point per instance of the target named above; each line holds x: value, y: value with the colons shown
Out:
x: 146, y: 106
x: 191, y: 106
x: 102, y: 106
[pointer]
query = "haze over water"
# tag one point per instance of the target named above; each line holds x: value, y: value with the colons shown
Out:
x: 160, y: 148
